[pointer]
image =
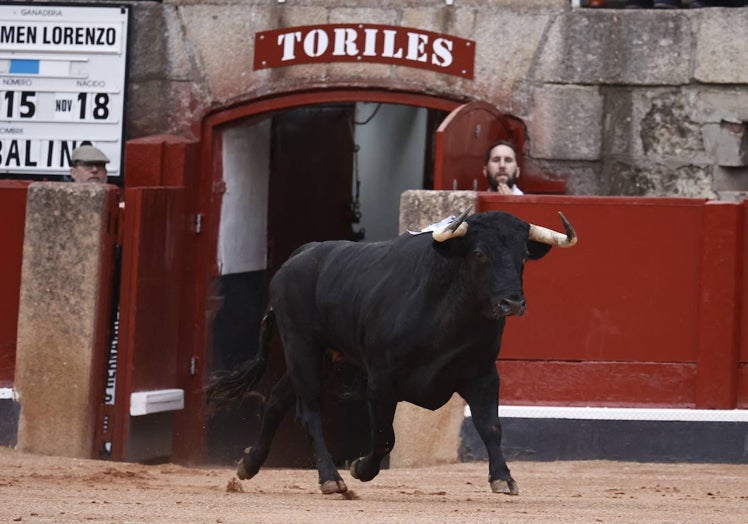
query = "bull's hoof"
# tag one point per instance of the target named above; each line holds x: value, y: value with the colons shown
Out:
x: 333, y: 486
x: 359, y: 470
x: 241, y: 467
x: 507, y: 487
x: 354, y: 473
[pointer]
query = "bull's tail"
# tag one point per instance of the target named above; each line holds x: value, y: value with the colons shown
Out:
x: 228, y: 386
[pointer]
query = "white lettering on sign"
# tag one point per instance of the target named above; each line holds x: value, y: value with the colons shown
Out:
x: 388, y: 49
x: 345, y: 42
x: 383, y: 44
x: 417, y: 47
x: 287, y: 41
x: 20, y: 153
x: 370, y: 47
x: 41, y: 12
x: 316, y: 42
x: 442, y: 52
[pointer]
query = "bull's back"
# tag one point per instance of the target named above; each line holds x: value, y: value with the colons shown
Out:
x: 349, y: 289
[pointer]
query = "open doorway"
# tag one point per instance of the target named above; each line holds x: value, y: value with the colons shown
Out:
x: 310, y: 173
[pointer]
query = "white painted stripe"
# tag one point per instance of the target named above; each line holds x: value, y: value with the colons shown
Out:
x: 8, y: 393
x: 147, y: 402
x: 597, y: 413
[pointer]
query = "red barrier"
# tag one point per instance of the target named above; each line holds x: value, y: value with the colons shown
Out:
x: 743, y: 325
x: 13, y: 219
x: 645, y: 310
x: 649, y: 309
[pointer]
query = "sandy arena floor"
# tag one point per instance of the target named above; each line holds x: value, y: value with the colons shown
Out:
x: 51, y: 489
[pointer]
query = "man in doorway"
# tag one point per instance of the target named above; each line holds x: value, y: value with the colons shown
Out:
x: 501, y: 168
x: 88, y: 164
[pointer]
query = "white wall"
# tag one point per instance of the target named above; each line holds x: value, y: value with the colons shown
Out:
x: 242, y: 237
x: 390, y: 160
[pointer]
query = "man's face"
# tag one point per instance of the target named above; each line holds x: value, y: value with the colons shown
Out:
x: 502, y: 168
x: 89, y: 172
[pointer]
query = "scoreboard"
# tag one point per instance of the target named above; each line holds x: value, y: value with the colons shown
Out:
x: 62, y: 84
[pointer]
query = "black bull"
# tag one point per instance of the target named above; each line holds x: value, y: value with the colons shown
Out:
x: 422, y: 315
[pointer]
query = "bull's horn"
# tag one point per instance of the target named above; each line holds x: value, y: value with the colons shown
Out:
x: 554, y: 238
x: 458, y: 228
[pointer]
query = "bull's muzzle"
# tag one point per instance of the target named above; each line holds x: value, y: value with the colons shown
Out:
x: 512, y: 306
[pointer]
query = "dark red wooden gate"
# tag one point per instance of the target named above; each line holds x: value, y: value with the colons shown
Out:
x: 12, y: 218
x: 155, y: 226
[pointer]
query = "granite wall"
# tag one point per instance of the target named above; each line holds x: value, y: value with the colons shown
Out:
x: 619, y: 102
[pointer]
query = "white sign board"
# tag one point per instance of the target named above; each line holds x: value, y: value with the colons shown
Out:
x: 62, y: 83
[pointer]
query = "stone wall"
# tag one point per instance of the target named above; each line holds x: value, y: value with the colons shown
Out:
x: 620, y: 102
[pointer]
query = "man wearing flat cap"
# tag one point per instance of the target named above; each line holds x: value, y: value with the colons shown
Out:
x: 88, y: 164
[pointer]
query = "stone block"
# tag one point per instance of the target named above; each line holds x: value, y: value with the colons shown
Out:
x: 722, y: 52
x: 733, y: 196
x: 221, y: 39
x: 726, y: 143
x: 507, y: 42
x: 58, y: 312
x: 582, y: 178
x: 427, y: 438
x: 419, y: 208
x: 566, y: 123
x: 730, y: 180
x: 666, y: 129
x: 147, y: 32
x: 659, y: 180
x: 715, y: 104
x: 617, y: 47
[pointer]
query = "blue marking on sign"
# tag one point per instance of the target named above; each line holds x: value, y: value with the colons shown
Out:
x: 24, y: 67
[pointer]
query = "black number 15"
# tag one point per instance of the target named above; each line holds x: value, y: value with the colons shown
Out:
x: 26, y: 106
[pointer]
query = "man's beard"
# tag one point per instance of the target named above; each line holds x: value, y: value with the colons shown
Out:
x: 493, y: 183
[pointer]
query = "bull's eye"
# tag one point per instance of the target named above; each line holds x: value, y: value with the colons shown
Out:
x: 479, y: 255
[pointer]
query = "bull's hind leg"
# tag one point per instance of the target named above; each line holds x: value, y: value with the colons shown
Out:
x: 281, y: 398
x: 305, y: 367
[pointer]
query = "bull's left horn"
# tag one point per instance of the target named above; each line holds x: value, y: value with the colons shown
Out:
x: 458, y: 228
x: 554, y: 238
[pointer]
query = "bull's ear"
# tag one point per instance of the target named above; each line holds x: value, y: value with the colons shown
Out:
x: 537, y: 250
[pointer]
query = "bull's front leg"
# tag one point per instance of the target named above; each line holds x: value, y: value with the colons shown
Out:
x: 482, y: 396
x: 382, y: 405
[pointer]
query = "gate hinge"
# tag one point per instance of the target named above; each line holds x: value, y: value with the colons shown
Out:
x: 198, y: 223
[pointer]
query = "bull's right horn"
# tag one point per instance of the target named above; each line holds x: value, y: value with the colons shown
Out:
x: 554, y: 238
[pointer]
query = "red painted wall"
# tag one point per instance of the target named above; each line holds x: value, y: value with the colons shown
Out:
x: 650, y: 308
x: 13, y: 219
x: 645, y: 310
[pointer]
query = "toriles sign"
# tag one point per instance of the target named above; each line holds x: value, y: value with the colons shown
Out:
x: 382, y: 44
x: 62, y: 83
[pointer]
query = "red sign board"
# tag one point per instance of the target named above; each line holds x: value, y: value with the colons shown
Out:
x: 383, y: 44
